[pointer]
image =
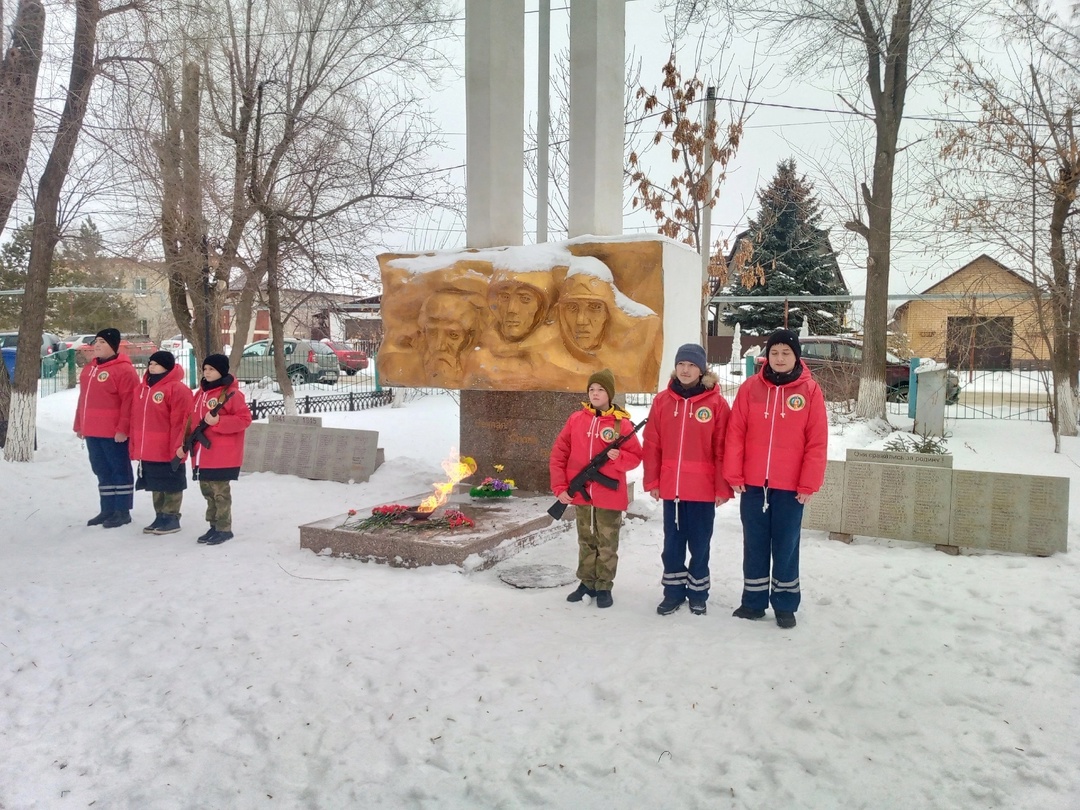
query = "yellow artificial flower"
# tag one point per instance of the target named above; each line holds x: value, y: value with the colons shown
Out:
x: 509, y: 482
x: 499, y: 468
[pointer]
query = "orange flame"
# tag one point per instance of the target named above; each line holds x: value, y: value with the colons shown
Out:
x: 456, y: 468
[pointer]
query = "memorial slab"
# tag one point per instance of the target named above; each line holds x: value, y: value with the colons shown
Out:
x: 300, y: 446
x: 1028, y: 514
x: 502, y: 529
x: 825, y: 508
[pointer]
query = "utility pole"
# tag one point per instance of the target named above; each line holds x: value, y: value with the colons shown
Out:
x: 705, y: 230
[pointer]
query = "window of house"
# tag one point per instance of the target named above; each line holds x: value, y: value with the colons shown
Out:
x: 140, y: 289
x: 144, y: 327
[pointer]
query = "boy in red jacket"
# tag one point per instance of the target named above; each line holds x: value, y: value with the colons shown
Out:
x: 684, y: 454
x: 103, y: 420
x: 159, y: 421
x: 215, y: 466
x: 586, y: 433
x: 777, y: 445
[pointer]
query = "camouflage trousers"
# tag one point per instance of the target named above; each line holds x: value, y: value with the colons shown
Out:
x: 218, y: 504
x: 598, y: 546
x: 168, y: 503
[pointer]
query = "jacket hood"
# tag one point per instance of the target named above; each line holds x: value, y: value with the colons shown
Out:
x: 119, y: 359
x: 709, y: 380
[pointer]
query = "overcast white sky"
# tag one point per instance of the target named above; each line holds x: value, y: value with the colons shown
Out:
x: 803, y: 118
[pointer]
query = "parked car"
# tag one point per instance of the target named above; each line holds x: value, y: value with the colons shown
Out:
x: 305, y: 361
x: 350, y: 360
x: 137, y: 347
x: 836, y: 363
x: 75, y: 341
x: 177, y: 344
x: 50, y: 343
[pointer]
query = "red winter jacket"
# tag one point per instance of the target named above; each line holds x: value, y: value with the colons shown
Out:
x: 583, y: 436
x: 159, y: 417
x: 684, y: 445
x: 778, y: 434
x: 106, y: 391
x: 226, y: 449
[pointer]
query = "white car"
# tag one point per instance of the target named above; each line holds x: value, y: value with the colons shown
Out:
x: 176, y: 344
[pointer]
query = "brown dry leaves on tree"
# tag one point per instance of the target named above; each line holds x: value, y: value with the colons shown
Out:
x: 677, y: 204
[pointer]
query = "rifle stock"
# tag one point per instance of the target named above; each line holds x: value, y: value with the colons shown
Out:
x: 199, y: 434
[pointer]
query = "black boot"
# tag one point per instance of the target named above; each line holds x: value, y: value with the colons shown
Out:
x: 121, y: 517
x: 157, y: 522
x: 785, y: 619
x: 698, y: 608
x: 582, y: 591
x: 218, y: 537
x: 98, y: 519
x: 603, y: 599
x: 669, y: 606
x: 170, y: 524
x: 206, y: 535
x: 743, y: 612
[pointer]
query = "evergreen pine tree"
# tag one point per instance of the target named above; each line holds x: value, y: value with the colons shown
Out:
x: 795, y: 258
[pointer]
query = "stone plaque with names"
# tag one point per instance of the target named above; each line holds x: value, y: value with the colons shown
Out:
x: 296, y: 446
x: 824, y: 510
x: 286, y: 419
x: 907, y: 501
x: 1028, y: 514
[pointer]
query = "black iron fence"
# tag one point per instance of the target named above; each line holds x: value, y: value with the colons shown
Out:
x: 327, y: 403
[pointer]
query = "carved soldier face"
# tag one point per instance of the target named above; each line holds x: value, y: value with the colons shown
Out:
x: 448, y: 325
x: 584, y: 321
x: 517, y: 310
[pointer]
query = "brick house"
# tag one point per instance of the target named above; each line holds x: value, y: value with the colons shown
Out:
x: 981, y: 331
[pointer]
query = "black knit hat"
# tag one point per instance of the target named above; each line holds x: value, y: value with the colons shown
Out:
x: 606, y: 381
x: 163, y: 359
x: 788, y: 338
x: 218, y: 362
x: 110, y: 336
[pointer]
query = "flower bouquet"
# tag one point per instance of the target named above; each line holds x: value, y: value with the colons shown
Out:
x: 493, y: 487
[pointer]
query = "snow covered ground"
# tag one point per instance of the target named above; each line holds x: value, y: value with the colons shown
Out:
x: 152, y: 672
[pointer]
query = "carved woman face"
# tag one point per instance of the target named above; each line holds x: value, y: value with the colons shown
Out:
x: 584, y: 321
x: 517, y: 310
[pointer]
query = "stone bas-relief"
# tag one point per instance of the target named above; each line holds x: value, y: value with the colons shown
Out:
x: 523, y: 319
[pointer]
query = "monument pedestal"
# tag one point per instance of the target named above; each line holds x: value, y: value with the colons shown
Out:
x: 515, y: 429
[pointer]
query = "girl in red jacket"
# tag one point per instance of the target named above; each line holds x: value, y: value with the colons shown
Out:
x: 684, y: 454
x: 159, y: 420
x: 103, y: 420
x: 776, y: 451
x: 215, y: 466
x: 585, y: 434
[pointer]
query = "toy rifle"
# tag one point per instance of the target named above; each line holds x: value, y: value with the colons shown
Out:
x: 591, y: 472
x: 199, y: 433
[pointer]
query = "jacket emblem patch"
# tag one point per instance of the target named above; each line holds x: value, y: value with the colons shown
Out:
x: 608, y: 434
x: 796, y: 402
x: 159, y: 397
x: 211, y: 403
x: 703, y: 414
x: 102, y: 376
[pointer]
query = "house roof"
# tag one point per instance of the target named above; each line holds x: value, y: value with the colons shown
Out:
x: 990, y: 259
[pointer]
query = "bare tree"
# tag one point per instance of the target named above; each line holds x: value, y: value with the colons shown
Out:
x: 1024, y: 155
x: 326, y: 88
x: 84, y: 66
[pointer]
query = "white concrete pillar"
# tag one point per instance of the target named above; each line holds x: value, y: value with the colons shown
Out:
x: 494, y: 116
x: 597, y: 58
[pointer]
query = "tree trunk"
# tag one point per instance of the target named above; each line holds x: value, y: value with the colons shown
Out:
x: 1064, y: 412
x: 22, y: 425
x: 18, y: 85
x: 245, y: 306
x: 273, y: 301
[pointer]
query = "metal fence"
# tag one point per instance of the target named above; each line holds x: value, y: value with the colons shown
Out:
x: 326, y: 403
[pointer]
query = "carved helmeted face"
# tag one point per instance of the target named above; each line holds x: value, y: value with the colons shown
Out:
x: 584, y: 320
x: 518, y: 309
x: 449, y: 325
